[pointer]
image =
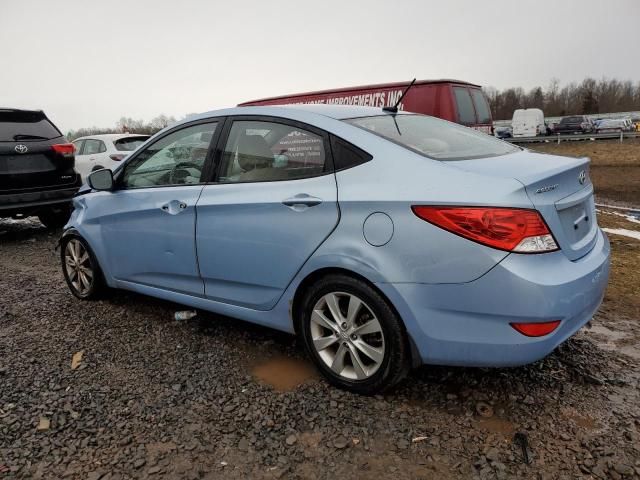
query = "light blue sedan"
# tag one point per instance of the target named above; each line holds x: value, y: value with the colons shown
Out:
x: 384, y: 240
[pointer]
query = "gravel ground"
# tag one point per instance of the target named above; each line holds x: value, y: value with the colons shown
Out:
x: 214, y: 397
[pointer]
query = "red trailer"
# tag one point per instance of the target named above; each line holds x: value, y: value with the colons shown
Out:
x: 453, y: 100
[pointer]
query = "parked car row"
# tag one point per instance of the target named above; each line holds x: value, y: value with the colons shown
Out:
x: 316, y: 227
x: 530, y: 122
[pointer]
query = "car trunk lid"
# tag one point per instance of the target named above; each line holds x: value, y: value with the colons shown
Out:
x: 558, y: 187
x: 37, y: 168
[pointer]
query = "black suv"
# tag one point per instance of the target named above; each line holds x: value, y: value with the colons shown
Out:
x: 37, y: 175
x: 574, y: 124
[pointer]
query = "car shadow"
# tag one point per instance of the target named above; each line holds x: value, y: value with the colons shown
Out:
x: 577, y: 361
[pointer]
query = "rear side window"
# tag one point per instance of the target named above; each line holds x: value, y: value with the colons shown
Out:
x: 260, y: 151
x: 129, y: 144
x: 346, y: 155
x: 482, y: 107
x: 18, y: 126
x: 466, y: 113
x: 93, y: 146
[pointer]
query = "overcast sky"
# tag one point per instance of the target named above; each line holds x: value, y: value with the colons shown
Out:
x: 88, y: 63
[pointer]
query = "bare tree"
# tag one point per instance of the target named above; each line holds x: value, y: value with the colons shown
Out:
x: 588, y: 97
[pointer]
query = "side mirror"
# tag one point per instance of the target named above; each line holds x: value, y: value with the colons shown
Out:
x: 101, y: 180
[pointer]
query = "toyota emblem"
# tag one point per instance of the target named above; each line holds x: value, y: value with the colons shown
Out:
x: 582, y: 177
x: 21, y: 148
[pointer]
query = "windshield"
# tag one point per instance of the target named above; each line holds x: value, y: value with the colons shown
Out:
x: 433, y: 137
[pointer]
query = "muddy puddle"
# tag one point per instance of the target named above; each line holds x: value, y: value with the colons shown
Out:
x: 497, y: 425
x: 581, y: 420
x: 284, y: 373
x: 614, y: 340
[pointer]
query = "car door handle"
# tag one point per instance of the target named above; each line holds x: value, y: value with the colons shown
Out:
x: 302, y: 199
x: 174, y: 207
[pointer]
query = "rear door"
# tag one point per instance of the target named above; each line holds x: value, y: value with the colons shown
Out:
x: 27, y: 158
x: 92, y: 157
x: 273, y: 204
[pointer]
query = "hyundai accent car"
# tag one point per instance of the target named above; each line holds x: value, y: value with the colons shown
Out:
x: 384, y: 240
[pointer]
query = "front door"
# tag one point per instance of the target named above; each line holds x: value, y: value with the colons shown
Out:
x: 274, y: 203
x: 148, y: 222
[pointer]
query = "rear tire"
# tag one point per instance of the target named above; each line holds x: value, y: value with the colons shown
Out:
x: 80, y: 268
x: 353, y: 335
x: 55, y: 217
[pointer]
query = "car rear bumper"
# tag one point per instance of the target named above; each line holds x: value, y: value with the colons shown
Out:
x: 25, y: 201
x: 468, y: 324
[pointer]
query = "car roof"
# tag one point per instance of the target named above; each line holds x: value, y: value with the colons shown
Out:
x: 112, y: 136
x: 9, y: 109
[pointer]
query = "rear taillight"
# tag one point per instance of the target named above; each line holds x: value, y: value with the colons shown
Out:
x: 539, y: 329
x: 65, y: 149
x: 511, y: 229
x: 117, y: 156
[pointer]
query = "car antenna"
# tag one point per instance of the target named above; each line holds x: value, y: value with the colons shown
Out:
x: 394, y: 109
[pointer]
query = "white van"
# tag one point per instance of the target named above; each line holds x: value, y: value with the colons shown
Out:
x: 528, y: 122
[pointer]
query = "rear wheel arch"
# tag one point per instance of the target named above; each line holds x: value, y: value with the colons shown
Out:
x: 313, y: 277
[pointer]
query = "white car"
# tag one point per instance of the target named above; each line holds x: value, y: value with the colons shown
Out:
x: 612, y: 125
x: 104, y: 151
x: 528, y: 122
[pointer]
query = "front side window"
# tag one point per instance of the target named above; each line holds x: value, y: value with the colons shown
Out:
x: 176, y: 159
x: 434, y: 138
x: 258, y: 151
x: 466, y: 113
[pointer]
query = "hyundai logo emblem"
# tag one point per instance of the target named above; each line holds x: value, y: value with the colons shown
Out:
x: 582, y: 177
x: 21, y: 148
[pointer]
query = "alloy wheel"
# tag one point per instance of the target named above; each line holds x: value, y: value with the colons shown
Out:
x: 77, y: 264
x: 347, y: 335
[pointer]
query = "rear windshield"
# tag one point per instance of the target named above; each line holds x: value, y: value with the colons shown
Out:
x: 129, y: 144
x: 16, y: 126
x: 482, y: 107
x: 434, y: 138
x: 466, y: 113
x: 571, y: 120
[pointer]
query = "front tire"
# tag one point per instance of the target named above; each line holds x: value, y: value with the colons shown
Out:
x: 80, y: 268
x: 353, y: 335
